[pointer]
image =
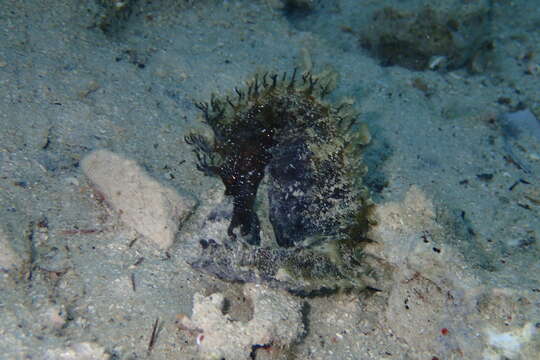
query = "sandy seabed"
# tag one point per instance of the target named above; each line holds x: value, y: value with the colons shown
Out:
x: 454, y: 168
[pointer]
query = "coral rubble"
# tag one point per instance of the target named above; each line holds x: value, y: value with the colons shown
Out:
x: 221, y: 337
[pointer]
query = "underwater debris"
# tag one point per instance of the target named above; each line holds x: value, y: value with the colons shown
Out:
x: 279, y: 131
x: 112, y: 14
x: 433, y: 38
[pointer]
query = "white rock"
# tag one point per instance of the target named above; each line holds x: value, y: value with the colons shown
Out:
x: 277, y: 320
x: 54, y: 317
x: 509, y: 344
x: 151, y: 209
x: 79, y: 351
